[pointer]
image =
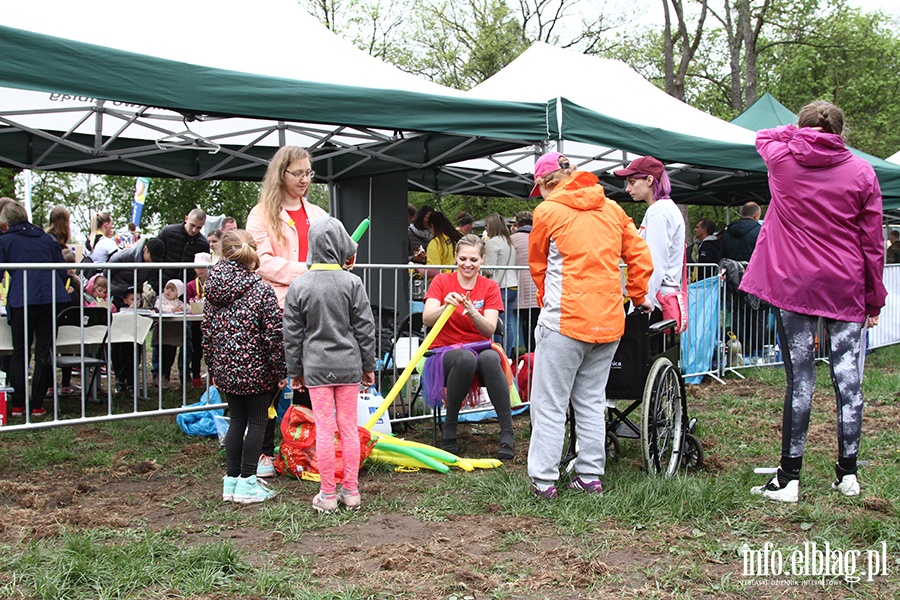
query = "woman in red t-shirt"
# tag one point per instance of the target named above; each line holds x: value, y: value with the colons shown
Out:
x: 478, y: 306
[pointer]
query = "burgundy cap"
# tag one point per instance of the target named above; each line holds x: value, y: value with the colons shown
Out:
x: 552, y: 161
x: 645, y: 165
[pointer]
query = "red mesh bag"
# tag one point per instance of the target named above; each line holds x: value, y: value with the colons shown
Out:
x: 297, y: 454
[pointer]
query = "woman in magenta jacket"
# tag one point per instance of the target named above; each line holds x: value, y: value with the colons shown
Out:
x: 820, y: 254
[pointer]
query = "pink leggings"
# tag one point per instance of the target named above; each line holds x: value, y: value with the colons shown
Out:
x: 326, y: 400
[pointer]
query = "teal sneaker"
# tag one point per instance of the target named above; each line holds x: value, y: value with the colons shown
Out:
x: 228, y: 484
x: 250, y: 490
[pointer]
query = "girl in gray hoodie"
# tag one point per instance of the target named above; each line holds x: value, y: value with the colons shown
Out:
x: 329, y: 343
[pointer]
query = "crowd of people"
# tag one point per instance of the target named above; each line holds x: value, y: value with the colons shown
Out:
x: 283, y: 312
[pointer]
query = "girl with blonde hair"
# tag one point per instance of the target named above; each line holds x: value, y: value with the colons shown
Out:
x: 244, y: 349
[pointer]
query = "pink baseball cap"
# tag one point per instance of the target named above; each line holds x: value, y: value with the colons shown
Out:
x: 645, y: 165
x: 552, y: 161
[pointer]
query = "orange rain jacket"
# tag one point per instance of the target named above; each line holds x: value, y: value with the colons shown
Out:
x: 574, y: 249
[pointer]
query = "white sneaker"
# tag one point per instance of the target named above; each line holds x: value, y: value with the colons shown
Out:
x: 789, y: 493
x: 848, y: 485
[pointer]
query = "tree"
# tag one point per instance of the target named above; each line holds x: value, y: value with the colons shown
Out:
x: 853, y: 60
x: 460, y: 44
x: 685, y: 41
x: 169, y: 200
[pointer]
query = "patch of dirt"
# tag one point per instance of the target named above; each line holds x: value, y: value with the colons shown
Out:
x: 399, y: 554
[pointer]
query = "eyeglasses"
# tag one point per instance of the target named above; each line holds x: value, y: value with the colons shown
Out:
x: 301, y: 174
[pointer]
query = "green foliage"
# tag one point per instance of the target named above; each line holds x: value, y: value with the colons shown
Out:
x: 170, y: 200
x: 462, y: 44
x: 8, y: 182
x: 853, y: 60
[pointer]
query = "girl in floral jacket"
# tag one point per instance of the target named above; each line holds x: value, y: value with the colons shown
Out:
x: 244, y: 349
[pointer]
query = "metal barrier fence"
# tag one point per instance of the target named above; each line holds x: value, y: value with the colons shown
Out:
x: 729, y: 337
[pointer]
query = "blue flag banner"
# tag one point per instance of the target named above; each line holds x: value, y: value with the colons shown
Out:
x: 140, y: 194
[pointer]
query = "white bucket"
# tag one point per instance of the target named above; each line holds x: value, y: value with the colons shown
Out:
x: 366, y: 406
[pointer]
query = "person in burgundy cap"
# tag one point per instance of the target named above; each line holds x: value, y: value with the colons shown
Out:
x: 663, y: 225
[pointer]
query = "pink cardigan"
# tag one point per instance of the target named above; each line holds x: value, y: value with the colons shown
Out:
x: 278, y: 264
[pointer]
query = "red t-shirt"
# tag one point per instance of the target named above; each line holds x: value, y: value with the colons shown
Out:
x: 460, y: 329
x: 301, y: 224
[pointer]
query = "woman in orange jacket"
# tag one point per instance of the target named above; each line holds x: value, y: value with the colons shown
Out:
x: 577, y: 240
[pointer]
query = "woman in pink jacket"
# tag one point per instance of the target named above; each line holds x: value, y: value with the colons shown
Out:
x: 280, y: 220
x: 819, y: 254
x: 279, y: 224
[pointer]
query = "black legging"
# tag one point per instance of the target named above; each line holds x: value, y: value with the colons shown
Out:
x: 460, y: 368
x: 250, y: 413
x: 797, y: 334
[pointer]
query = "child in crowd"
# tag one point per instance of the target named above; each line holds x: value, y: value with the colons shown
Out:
x: 329, y: 344
x: 215, y: 244
x: 168, y: 303
x: 244, y: 348
x: 195, y: 296
x: 96, y: 293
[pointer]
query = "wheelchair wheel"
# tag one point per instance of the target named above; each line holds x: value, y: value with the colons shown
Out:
x: 613, y: 449
x: 692, y: 458
x: 663, y: 419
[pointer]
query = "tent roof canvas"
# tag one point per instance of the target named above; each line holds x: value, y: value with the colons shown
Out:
x: 607, y: 114
x: 104, y: 106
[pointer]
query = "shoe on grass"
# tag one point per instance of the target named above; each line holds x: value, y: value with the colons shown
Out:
x: 774, y: 491
x: 228, y: 485
x: 17, y: 411
x: 250, y: 490
x: 38, y: 413
x: 350, y: 498
x: 265, y: 467
x: 197, y: 382
x: 548, y: 493
x: 588, y: 487
x: 325, y: 503
x: 848, y: 485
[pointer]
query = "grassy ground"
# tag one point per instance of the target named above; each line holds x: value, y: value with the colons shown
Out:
x: 132, y: 510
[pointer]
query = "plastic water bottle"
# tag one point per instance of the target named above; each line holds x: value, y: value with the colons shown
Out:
x: 734, y: 350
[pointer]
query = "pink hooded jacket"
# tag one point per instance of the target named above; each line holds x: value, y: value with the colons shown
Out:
x: 820, y: 251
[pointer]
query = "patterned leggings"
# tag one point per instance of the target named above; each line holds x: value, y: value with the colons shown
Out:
x: 326, y: 401
x: 798, y: 333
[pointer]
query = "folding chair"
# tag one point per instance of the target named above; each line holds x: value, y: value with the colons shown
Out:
x: 81, y: 341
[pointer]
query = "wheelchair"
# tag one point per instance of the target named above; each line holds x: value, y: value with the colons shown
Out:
x: 644, y: 375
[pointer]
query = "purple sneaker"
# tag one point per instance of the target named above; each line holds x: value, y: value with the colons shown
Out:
x: 548, y: 494
x: 588, y: 487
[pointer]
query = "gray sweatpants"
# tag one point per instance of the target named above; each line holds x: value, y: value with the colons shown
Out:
x: 798, y: 333
x: 568, y: 370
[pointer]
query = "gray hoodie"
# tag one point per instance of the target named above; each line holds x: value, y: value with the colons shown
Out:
x: 329, y: 330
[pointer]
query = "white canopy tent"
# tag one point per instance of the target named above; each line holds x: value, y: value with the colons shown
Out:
x: 702, y: 150
x: 182, y: 52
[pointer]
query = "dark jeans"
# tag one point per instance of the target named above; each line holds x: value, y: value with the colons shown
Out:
x: 39, y: 330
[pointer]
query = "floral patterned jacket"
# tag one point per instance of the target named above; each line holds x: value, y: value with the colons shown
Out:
x: 242, y: 331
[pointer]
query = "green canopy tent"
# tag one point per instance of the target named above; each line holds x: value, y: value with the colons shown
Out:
x: 768, y: 113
